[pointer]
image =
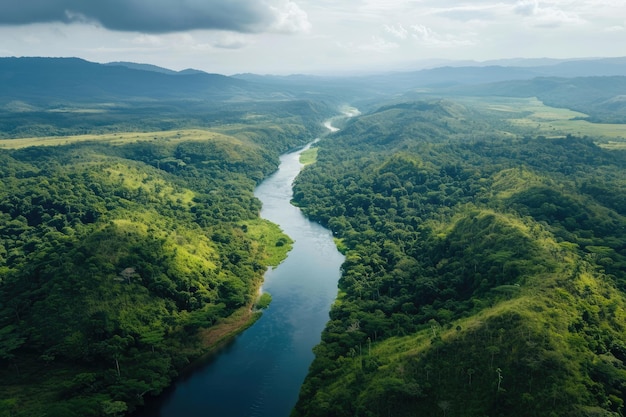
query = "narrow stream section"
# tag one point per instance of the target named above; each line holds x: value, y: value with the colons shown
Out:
x: 260, y: 373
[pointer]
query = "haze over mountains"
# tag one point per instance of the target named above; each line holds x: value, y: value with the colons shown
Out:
x: 474, y: 221
x: 74, y: 78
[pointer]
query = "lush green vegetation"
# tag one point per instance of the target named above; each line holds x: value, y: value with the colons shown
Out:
x: 117, y: 255
x: 309, y: 156
x: 599, y: 97
x: 485, y: 247
x: 484, y: 271
x: 264, y: 300
x: 529, y: 116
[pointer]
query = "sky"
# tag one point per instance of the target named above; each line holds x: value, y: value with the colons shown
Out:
x: 311, y: 36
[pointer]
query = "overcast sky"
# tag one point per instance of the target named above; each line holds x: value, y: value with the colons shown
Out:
x: 310, y: 36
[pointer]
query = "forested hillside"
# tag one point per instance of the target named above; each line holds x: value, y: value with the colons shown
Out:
x: 485, y: 268
x: 484, y: 272
x: 121, y: 262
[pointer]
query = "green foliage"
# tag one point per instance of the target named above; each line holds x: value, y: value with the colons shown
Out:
x: 264, y: 301
x: 309, y: 156
x: 483, y: 275
x: 113, y: 257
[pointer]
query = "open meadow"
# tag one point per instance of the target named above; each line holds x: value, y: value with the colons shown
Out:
x: 531, y: 116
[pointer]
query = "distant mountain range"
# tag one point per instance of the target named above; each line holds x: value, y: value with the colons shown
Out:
x: 149, y: 67
x: 43, y: 82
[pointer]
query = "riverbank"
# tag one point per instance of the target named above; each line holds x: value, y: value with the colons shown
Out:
x: 259, y: 372
x: 228, y: 328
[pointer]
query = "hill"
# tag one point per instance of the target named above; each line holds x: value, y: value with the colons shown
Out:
x: 483, y: 274
x: 484, y: 268
x: 42, y: 80
x: 123, y: 255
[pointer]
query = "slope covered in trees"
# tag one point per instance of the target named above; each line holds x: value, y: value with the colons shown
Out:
x: 115, y: 259
x: 484, y: 275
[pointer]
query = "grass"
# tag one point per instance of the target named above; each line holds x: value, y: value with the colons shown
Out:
x: 531, y: 115
x: 614, y: 145
x: 227, y: 328
x: 119, y: 138
x: 264, y: 301
x: 309, y: 156
x: 133, y: 178
x: 276, y: 243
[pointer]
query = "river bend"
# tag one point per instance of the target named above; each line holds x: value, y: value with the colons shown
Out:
x: 260, y: 373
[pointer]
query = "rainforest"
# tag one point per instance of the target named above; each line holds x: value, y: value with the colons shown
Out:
x: 483, y: 226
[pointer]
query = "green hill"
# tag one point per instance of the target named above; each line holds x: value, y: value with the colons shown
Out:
x: 123, y: 260
x: 483, y: 275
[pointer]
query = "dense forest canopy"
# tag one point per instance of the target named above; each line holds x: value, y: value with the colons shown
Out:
x: 484, y: 273
x: 484, y: 235
x: 116, y: 257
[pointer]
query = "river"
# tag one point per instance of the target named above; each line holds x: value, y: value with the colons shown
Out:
x: 260, y: 372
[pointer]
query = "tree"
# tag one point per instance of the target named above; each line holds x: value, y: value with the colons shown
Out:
x: 10, y: 341
x: 114, y: 408
x: 470, y: 372
x: 445, y: 406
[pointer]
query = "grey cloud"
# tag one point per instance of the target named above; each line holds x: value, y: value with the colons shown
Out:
x: 149, y: 16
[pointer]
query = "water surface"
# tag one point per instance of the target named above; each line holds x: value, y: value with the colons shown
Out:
x: 260, y: 373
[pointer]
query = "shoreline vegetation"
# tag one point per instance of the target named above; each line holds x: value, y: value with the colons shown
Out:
x: 228, y: 328
x: 475, y: 219
x: 157, y: 242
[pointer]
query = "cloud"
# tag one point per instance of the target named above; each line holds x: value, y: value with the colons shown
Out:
x: 545, y: 16
x: 161, y: 16
x: 188, y: 41
x: 379, y: 45
x: 526, y: 7
x: 428, y: 37
x: 229, y: 42
x: 290, y: 18
x: 399, y: 32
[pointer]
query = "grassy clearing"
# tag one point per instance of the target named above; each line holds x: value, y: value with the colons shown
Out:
x: 534, y: 117
x: 119, y: 138
x: 134, y: 179
x: 276, y: 243
x: 614, y: 145
x: 309, y: 156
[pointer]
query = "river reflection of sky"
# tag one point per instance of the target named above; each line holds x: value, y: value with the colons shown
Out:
x: 260, y: 373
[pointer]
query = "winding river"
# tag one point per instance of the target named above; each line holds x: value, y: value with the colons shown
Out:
x: 260, y: 372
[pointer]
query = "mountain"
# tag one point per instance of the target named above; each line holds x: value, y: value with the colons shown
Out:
x: 155, y: 68
x: 142, y: 67
x: 46, y: 80
x: 484, y: 272
x: 496, y: 71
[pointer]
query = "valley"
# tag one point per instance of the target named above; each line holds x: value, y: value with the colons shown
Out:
x: 482, y: 223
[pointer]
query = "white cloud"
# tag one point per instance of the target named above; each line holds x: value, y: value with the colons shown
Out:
x: 199, y: 41
x: 378, y: 44
x: 147, y: 40
x: 290, y: 18
x: 546, y: 16
x: 230, y: 41
x: 428, y: 37
x: 526, y: 7
x: 399, y: 32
